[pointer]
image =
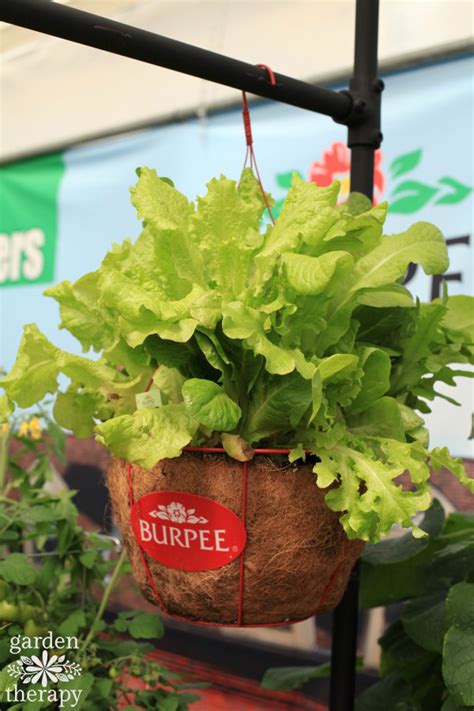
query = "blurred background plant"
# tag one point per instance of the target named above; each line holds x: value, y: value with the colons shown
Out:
x: 427, y: 588
x: 54, y: 576
x: 427, y: 659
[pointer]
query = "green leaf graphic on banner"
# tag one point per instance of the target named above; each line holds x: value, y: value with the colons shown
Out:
x: 284, y: 180
x: 29, y: 220
x: 404, y: 163
x: 276, y: 209
x: 459, y: 192
x: 415, y: 195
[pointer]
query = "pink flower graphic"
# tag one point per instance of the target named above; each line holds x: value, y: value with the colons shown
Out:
x: 336, y: 164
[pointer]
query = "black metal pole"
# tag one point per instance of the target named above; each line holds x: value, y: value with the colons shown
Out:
x: 95, y: 31
x: 364, y: 137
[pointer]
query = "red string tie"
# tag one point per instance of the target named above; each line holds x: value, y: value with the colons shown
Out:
x: 246, y: 118
x: 269, y: 72
x: 250, y: 154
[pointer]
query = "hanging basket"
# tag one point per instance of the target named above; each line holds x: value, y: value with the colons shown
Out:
x: 220, y: 542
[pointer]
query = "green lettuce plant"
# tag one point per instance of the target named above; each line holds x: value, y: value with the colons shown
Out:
x: 298, y: 335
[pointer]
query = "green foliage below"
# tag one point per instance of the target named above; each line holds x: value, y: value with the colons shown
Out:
x: 287, y: 678
x: 428, y: 654
x: 64, y: 586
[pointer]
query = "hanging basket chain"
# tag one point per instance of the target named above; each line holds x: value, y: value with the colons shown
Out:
x: 250, y: 158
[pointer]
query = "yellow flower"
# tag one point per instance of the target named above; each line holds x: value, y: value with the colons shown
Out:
x: 35, y: 428
x: 31, y: 429
x: 5, y: 427
x: 23, y: 431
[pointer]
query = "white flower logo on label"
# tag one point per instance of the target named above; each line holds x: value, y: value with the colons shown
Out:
x: 177, y: 513
x: 33, y: 670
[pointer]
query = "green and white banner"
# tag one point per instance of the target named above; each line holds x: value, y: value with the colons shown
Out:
x: 29, y: 220
x: 60, y: 213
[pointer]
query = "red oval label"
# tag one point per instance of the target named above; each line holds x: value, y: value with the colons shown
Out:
x: 187, y: 531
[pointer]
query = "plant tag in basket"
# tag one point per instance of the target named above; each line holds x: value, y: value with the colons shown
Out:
x: 152, y: 398
x: 187, y: 531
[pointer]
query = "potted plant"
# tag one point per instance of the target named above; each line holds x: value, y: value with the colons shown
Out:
x: 260, y: 388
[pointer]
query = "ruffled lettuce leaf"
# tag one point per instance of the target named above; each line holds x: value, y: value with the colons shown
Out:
x: 440, y: 457
x: 81, y: 313
x: 75, y: 411
x: 170, y: 382
x: 367, y: 492
x: 96, y: 387
x: 209, y: 405
x: 149, y: 434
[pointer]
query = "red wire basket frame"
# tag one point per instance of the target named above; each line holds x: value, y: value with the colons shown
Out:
x: 240, y: 605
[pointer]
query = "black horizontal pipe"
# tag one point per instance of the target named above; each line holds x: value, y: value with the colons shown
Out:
x: 95, y: 31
